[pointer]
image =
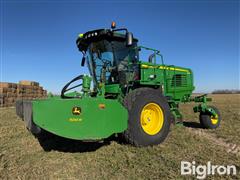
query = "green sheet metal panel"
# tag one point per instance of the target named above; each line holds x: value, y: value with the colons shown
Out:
x: 177, y: 81
x: 112, y: 88
x: 98, y: 117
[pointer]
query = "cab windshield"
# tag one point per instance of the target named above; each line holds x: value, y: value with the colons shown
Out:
x: 108, y: 55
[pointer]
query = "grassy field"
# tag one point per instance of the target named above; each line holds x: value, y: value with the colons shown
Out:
x: 22, y: 156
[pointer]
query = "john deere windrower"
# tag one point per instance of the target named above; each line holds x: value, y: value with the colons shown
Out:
x: 123, y: 95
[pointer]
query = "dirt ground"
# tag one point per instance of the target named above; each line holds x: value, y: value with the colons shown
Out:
x: 22, y: 156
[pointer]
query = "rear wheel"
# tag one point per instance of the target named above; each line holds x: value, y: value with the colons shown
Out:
x: 208, y: 121
x: 149, y: 117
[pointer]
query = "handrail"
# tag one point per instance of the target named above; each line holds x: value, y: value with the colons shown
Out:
x: 156, y: 52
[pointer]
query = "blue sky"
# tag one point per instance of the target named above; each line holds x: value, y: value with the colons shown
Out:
x: 38, y: 37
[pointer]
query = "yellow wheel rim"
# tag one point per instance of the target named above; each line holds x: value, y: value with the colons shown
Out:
x: 152, y: 118
x: 214, y: 120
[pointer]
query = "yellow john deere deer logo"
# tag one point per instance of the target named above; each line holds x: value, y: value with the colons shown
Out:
x: 76, y: 110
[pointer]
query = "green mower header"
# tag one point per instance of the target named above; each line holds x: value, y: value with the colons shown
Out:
x: 122, y: 95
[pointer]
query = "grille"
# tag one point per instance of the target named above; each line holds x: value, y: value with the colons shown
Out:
x: 179, y: 80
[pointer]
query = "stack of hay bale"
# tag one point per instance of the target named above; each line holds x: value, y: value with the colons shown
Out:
x: 10, y: 92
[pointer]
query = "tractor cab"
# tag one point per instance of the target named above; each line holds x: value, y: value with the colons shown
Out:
x: 108, y: 53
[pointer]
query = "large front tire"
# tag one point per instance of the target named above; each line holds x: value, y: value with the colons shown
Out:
x: 148, y: 117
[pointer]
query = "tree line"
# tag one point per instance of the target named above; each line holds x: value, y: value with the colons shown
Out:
x: 226, y: 91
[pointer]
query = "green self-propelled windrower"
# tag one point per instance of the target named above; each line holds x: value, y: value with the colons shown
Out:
x: 122, y: 95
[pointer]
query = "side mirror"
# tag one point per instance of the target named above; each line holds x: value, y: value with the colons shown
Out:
x: 129, y: 38
x: 83, y: 61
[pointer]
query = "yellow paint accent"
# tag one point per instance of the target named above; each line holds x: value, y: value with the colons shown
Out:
x: 74, y: 119
x: 152, y: 118
x: 214, y: 120
x: 165, y: 67
x: 144, y: 66
x: 174, y: 69
x: 76, y: 111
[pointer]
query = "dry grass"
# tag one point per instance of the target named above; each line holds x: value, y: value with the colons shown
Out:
x: 22, y: 156
x: 229, y: 106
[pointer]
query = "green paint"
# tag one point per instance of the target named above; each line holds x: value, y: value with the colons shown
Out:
x: 55, y: 115
x: 94, y: 121
x: 86, y: 85
x: 177, y: 81
x: 112, y: 88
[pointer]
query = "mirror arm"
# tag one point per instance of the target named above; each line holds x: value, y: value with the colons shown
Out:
x: 83, y: 59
